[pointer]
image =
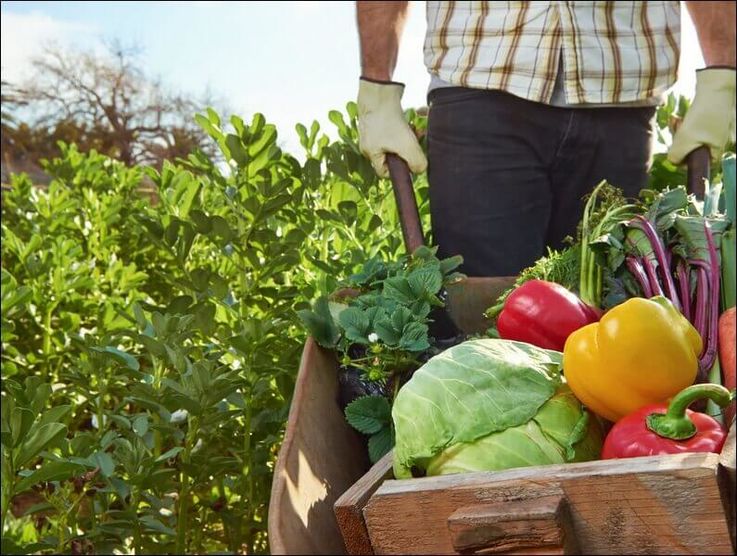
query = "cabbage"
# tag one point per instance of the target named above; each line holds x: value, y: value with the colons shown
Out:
x: 490, y: 404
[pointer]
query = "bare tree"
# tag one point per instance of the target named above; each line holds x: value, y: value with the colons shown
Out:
x: 113, y: 104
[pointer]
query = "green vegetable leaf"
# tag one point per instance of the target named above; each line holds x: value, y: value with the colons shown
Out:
x: 414, y: 337
x: 320, y: 324
x: 469, y: 391
x: 387, y: 332
x: 358, y: 323
x: 368, y: 414
x: 425, y: 282
x: 398, y: 289
x: 693, y: 236
x: 380, y: 444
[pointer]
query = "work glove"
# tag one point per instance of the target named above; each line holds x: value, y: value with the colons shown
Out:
x: 382, y: 128
x: 711, y: 118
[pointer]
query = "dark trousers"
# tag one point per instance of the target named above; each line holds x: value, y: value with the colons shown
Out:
x: 507, y: 175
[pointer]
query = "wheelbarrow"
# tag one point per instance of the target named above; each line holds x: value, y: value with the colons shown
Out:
x: 327, y: 499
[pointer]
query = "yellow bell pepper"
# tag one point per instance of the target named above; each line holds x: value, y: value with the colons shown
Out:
x: 641, y: 352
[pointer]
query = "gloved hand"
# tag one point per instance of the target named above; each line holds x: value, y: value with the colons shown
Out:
x: 710, y: 120
x: 382, y: 128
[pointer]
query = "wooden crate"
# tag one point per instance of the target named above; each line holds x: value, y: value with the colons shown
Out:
x: 326, y: 499
x: 680, y: 504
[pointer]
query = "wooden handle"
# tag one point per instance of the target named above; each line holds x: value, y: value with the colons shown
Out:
x: 537, y: 525
x: 409, y: 215
x: 698, y: 162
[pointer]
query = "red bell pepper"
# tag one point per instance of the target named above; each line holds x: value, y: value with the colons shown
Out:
x: 669, y: 428
x: 543, y: 314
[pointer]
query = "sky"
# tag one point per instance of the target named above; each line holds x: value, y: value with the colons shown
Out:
x: 291, y: 61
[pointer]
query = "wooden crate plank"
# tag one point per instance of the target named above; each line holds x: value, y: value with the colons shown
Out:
x: 728, y: 481
x: 656, y: 505
x: 539, y: 524
x: 349, y: 507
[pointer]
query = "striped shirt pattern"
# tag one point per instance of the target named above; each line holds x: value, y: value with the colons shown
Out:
x: 612, y: 52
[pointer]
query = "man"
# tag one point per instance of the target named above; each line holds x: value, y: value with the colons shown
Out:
x: 531, y: 105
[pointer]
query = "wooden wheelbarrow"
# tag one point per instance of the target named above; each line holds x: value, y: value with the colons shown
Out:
x: 327, y: 499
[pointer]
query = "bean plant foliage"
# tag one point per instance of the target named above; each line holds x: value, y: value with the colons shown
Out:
x: 149, y: 349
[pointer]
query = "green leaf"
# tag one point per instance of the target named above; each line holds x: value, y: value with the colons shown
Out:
x: 186, y: 189
x: 154, y: 524
x: 425, y: 282
x: 415, y: 337
x: 221, y: 228
x: 169, y: 454
x: 12, y: 299
x: 21, y: 420
x: 200, y: 279
x: 368, y: 414
x: 140, y: 425
x: 213, y: 116
x: 179, y: 304
x: 105, y: 462
x: 356, y: 323
x: 349, y: 211
x: 119, y: 356
x: 374, y: 224
x: 54, y: 414
x: 237, y: 151
x: 380, y: 444
x: 320, y: 324
x: 467, y: 392
x: 38, y: 393
x: 387, y: 331
x: 202, y: 222
x: 302, y: 133
x: 49, y: 471
x: 205, y: 317
x: 37, y: 441
x: 398, y: 288
x: 141, y: 320
x: 693, y: 234
x: 450, y: 264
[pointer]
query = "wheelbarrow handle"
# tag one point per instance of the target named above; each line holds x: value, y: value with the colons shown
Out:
x: 441, y: 327
x: 409, y: 215
x: 698, y: 164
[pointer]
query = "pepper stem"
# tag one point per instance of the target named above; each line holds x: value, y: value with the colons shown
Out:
x: 675, y: 424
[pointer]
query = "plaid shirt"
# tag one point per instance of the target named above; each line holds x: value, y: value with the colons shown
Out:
x: 612, y: 52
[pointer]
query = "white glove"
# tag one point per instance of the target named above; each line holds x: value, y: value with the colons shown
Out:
x: 382, y: 128
x: 710, y: 119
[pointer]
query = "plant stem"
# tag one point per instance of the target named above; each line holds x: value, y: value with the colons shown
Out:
x: 181, y: 545
x: 248, y: 472
x: 223, y: 519
x: 675, y: 424
x: 47, y: 342
x: 6, y: 496
x: 157, y: 367
x: 137, y: 541
x: 101, y: 405
x: 684, y: 286
x: 635, y: 268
